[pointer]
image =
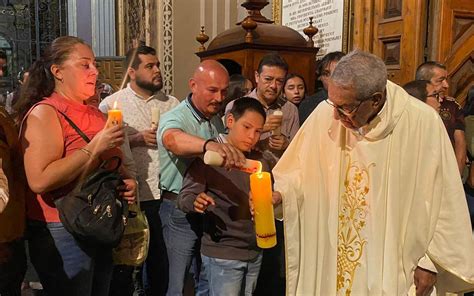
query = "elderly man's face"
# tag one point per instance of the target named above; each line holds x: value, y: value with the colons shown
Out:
x: 352, y: 112
x: 3, y: 63
x: 439, y: 81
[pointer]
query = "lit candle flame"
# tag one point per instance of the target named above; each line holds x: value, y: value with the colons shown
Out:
x: 115, y: 105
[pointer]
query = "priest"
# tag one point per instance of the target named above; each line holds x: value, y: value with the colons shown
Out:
x: 371, y: 195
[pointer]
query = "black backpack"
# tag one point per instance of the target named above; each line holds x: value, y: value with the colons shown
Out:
x: 93, y: 212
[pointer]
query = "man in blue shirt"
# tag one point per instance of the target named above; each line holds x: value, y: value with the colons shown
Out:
x: 185, y: 132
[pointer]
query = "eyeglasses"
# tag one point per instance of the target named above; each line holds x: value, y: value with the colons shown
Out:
x: 346, y: 111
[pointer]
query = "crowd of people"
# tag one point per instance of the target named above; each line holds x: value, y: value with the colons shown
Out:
x: 368, y: 194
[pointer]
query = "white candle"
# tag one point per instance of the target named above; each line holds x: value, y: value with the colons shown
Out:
x: 155, y: 117
x: 277, y: 131
x: 215, y: 159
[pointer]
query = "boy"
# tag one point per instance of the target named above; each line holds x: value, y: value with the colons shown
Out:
x: 229, y: 250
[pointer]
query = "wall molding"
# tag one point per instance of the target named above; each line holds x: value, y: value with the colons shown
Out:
x: 168, y: 53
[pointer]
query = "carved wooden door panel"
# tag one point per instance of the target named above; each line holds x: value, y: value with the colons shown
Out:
x: 393, y: 30
x: 455, y: 44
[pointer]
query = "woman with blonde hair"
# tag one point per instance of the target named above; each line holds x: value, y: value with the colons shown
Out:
x: 56, y: 156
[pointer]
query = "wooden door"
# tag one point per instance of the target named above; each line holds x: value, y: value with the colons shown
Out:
x: 394, y: 30
x: 453, y: 36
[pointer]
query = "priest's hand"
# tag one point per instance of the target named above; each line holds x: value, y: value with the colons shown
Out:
x: 202, y: 202
x: 424, y: 281
x: 276, y: 200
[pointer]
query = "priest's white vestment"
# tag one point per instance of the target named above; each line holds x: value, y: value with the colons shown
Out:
x: 361, y: 208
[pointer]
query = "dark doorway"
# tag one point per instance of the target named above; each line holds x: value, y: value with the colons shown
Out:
x: 231, y: 66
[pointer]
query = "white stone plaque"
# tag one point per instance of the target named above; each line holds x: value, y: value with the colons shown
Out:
x: 328, y: 17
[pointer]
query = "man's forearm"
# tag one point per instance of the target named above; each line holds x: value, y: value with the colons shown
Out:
x: 183, y: 144
x: 461, y: 155
x: 460, y: 149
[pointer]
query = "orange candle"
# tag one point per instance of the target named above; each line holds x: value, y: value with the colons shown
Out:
x: 261, y: 188
x: 114, y: 116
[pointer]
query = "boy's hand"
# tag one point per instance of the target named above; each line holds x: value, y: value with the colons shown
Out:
x: 202, y: 202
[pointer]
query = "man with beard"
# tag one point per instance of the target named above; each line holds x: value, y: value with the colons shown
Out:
x: 136, y: 102
x: 188, y: 131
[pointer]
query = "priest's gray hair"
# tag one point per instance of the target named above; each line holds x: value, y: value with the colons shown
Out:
x: 364, y: 72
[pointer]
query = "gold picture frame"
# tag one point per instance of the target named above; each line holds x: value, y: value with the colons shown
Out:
x: 347, y: 26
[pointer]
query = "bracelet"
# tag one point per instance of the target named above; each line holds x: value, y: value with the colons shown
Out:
x: 205, y: 144
x: 86, y: 151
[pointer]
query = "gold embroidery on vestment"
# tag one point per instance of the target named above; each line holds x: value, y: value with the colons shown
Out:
x: 353, y: 210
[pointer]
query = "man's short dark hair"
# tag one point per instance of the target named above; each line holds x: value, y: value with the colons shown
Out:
x: 142, y: 49
x: 3, y: 55
x: 272, y: 60
x: 243, y: 104
x: 425, y: 70
x: 334, y: 56
x: 417, y: 89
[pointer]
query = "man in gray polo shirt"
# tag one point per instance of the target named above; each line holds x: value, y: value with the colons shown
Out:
x: 184, y: 133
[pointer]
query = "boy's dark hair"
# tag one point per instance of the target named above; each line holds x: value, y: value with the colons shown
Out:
x: 142, y: 49
x: 417, y: 89
x: 247, y: 104
x: 425, y: 70
x: 3, y: 55
x: 272, y: 60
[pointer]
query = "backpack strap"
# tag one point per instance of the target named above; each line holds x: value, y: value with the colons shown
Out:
x: 75, y: 127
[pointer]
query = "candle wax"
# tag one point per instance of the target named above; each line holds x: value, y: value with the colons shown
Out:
x: 261, y: 188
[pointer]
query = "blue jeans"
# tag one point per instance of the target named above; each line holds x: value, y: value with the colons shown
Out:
x: 182, y: 234
x: 231, y: 277
x: 64, y: 266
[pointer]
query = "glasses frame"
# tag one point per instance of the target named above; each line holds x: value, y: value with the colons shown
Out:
x: 346, y: 113
x: 341, y: 110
